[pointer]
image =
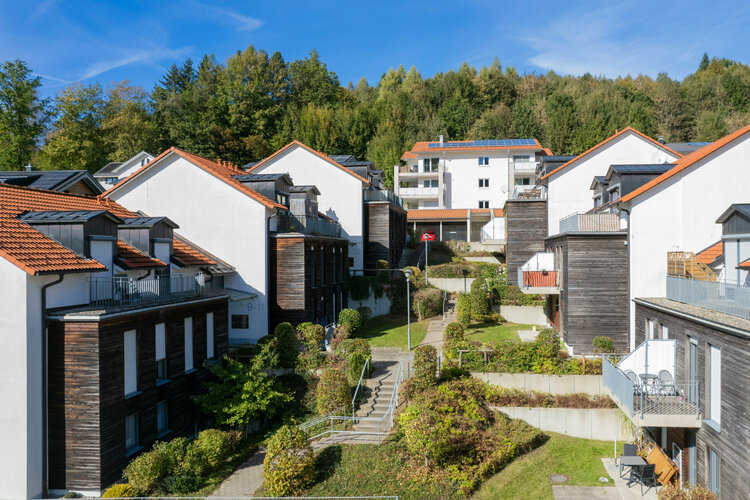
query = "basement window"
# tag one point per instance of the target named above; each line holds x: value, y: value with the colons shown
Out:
x: 240, y: 321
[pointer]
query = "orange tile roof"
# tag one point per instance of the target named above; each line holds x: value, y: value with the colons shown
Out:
x: 132, y: 258
x: 480, y: 210
x: 408, y: 156
x: 548, y: 151
x: 31, y: 250
x: 711, y: 253
x: 605, y: 141
x: 189, y: 256
x: 498, y: 212
x: 422, y: 147
x: 745, y: 264
x: 317, y: 153
x: 437, y: 213
x: 223, y: 171
x: 686, y: 161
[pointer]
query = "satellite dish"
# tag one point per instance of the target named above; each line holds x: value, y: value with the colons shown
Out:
x: 504, y: 189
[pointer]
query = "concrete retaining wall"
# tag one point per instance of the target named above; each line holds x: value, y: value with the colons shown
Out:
x: 553, y: 384
x: 460, y: 285
x: 525, y: 315
x: 488, y: 258
x: 379, y: 307
x: 593, y: 423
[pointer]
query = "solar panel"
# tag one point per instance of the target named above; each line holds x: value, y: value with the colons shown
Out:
x: 60, y: 216
x: 486, y: 143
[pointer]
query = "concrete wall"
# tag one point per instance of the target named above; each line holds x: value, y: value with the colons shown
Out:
x: 525, y: 315
x: 457, y: 285
x: 552, y: 384
x: 489, y: 259
x: 378, y: 307
x: 592, y: 423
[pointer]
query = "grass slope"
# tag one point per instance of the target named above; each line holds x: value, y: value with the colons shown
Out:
x: 494, y: 333
x: 390, y: 331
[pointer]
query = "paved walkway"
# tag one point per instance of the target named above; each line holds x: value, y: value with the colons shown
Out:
x: 620, y: 491
x: 437, y: 326
x: 528, y: 335
x: 245, y: 480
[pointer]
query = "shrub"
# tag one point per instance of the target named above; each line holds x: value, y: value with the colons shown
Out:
x: 194, y: 463
x: 121, y: 490
x: 145, y: 470
x: 350, y: 319
x: 427, y: 302
x: 72, y: 494
x: 289, y: 466
x: 603, y: 345
x: 340, y: 334
x: 214, y: 445
x: 182, y: 483
x: 355, y: 363
x: 365, y: 313
x: 333, y: 391
x: 454, y: 331
x: 350, y: 346
x: 480, y: 305
x: 287, y: 344
x: 425, y: 368
x: 673, y: 492
x: 453, y: 372
x: 463, y: 310
x: 311, y: 336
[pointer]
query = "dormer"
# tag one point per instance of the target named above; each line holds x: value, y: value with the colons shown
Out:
x: 599, y: 187
x: 303, y: 201
x: 152, y: 236
x: 272, y: 186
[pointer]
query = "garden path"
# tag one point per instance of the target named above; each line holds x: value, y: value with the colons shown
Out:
x: 437, y: 326
x: 620, y: 491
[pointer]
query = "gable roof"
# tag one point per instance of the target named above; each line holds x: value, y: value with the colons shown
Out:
x: 742, y: 208
x: 52, y: 180
x: 686, y: 161
x: 224, y: 172
x: 114, y: 168
x: 710, y: 254
x: 604, y: 143
x: 745, y: 264
x: 311, y: 150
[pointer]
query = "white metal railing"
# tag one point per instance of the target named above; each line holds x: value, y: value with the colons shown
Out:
x: 525, y: 166
x: 651, y: 356
x: 125, y: 291
x: 418, y: 191
x: 715, y: 295
x: 529, y: 192
x: 583, y: 221
x: 360, y: 389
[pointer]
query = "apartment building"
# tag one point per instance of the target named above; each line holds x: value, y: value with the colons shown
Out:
x: 107, y: 317
x: 115, y: 171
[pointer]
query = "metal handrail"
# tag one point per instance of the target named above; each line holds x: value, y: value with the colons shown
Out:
x: 359, y: 384
x: 445, y: 294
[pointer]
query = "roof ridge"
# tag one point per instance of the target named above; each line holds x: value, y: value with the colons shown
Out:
x: 47, y: 191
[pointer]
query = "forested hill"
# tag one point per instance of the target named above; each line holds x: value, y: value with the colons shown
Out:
x: 254, y: 103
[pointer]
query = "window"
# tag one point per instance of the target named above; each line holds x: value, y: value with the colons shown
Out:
x: 351, y: 261
x: 161, y: 353
x: 322, y: 266
x: 312, y: 268
x: 714, y: 471
x: 484, y: 204
x: 664, y: 331
x: 209, y: 335
x: 130, y: 352
x: 188, y: 344
x: 162, y: 420
x: 240, y: 321
x: 484, y: 183
x: 132, y: 440
x: 597, y: 201
x: 430, y: 183
x: 484, y: 161
x: 521, y: 158
x: 713, y: 384
x: 431, y: 164
x: 523, y: 181
x: 614, y: 194
x: 651, y: 329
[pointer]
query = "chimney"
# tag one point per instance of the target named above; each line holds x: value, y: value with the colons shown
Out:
x: 661, y: 139
x: 441, y: 140
x: 29, y: 168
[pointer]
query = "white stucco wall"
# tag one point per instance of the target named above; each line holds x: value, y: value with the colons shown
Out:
x: 217, y: 217
x: 340, y: 192
x: 680, y: 214
x: 462, y: 174
x: 569, y: 190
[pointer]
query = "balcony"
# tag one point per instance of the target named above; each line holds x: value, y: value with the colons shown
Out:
x: 584, y: 221
x: 379, y: 195
x: 717, y: 296
x: 419, y: 192
x: 539, y: 276
x: 288, y: 223
x: 525, y: 166
x: 415, y: 171
x: 124, y: 292
x: 529, y: 192
x: 652, y: 403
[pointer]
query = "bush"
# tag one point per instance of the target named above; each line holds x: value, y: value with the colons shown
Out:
x: 311, y: 336
x: 463, y: 310
x: 365, y: 313
x: 340, y: 334
x: 333, y: 391
x: 145, y: 470
x: 603, y: 345
x: 350, y: 346
x: 355, y: 363
x: 480, y: 305
x: 427, y: 302
x: 121, y: 490
x: 289, y: 466
x: 213, y: 445
x: 673, y: 492
x: 350, y: 319
x: 425, y: 368
x: 454, y: 331
x: 453, y: 372
x: 287, y: 344
x: 182, y: 483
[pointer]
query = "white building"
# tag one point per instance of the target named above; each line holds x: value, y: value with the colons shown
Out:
x: 115, y: 171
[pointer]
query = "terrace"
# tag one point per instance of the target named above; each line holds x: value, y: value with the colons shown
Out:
x: 590, y: 222
x: 538, y: 275
x: 717, y: 296
x: 383, y: 195
x: 289, y: 223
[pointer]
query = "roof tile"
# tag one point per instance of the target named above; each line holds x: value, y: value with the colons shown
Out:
x: 456, y: 213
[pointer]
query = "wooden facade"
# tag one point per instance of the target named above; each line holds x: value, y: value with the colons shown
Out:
x: 385, y: 233
x: 298, y: 291
x: 593, y: 275
x: 87, y: 404
x: 730, y: 443
x: 525, y: 230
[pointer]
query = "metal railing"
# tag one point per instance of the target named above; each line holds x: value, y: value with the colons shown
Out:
x: 525, y: 166
x: 529, y: 193
x: 288, y: 223
x: 715, y: 295
x: 419, y: 191
x: 124, y: 291
x: 445, y: 299
x: 383, y: 195
x: 360, y: 389
x: 583, y: 221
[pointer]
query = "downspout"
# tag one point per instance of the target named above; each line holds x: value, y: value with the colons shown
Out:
x: 45, y: 410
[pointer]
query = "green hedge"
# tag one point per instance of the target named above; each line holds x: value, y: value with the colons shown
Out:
x: 425, y: 368
x: 463, y: 309
x: 289, y: 466
x: 350, y: 319
x: 454, y: 331
x: 427, y: 303
x: 333, y: 391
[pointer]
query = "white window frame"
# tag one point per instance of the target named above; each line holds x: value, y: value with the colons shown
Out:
x: 210, y: 347
x: 484, y: 183
x: 484, y: 203
x: 188, y: 348
x: 713, y: 383
x: 130, y: 361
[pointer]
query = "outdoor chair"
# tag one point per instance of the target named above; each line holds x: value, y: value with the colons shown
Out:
x: 667, y: 383
x: 636, y: 381
x: 628, y: 450
x: 645, y: 475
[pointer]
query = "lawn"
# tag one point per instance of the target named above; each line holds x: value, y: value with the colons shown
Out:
x: 390, y: 331
x: 493, y: 332
x: 528, y: 476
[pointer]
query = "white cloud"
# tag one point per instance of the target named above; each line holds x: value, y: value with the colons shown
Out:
x: 44, y: 7
x: 244, y: 23
x: 141, y: 57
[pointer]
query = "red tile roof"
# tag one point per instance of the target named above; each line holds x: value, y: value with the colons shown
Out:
x: 686, y: 161
x: 422, y: 147
x: 745, y: 264
x: 711, y: 253
x: 223, y: 171
x: 605, y: 141
x: 498, y: 212
x: 408, y: 156
x: 132, y: 258
x: 317, y: 153
x: 437, y: 213
x: 189, y: 256
x: 480, y: 210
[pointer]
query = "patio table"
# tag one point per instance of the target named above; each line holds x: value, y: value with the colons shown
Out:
x: 635, y: 461
x: 649, y: 379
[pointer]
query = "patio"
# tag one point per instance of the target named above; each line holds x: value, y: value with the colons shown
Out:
x: 620, y: 491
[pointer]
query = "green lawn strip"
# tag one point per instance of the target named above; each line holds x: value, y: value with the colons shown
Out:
x: 364, y: 469
x: 390, y: 331
x: 528, y: 476
x: 493, y: 332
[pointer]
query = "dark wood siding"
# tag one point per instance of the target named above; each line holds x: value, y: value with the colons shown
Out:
x: 731, y: 442
x: 385, y: 233
x: 525, y: 230
x: 86, y: 388
x: 594, y: 288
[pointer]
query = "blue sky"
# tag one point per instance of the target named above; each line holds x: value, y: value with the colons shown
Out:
x: 88, y: 41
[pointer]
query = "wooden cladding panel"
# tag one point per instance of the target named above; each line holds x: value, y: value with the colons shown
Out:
x: 525, y: 230
x: 385, y: 234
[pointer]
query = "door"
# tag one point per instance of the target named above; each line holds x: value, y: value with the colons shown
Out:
x: 692, y: 373
x: 690, y: 457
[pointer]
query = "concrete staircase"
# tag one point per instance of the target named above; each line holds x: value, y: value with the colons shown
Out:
x: 376, y: 398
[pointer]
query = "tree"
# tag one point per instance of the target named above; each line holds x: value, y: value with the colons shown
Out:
x: 311, y: 82
x: 704, y: 62
x: 494, y: 123
x: 128, y: 126
x: 710, y: 126
x: 23, y: 115
x: 243, y: 392
x: 561, y: 122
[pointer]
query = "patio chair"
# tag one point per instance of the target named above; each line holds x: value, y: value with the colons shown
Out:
x: 645, y: 475
x: 636, y: 381
x: 666, y: 381
x: 628, y: 450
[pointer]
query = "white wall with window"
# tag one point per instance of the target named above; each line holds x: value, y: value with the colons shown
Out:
x: 130, y: 353
x: 189, y: 344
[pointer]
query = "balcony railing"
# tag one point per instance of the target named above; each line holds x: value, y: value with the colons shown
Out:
x: 597, y: 221
x: 288, y: 223
x: 121, y: 291
x: 418, y: 192
x: 383, y: 195
x: 715, y: 295
x: 539, y: 274
x: 529, y: 193
x: 412, y: 170
x: 525, y: 166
